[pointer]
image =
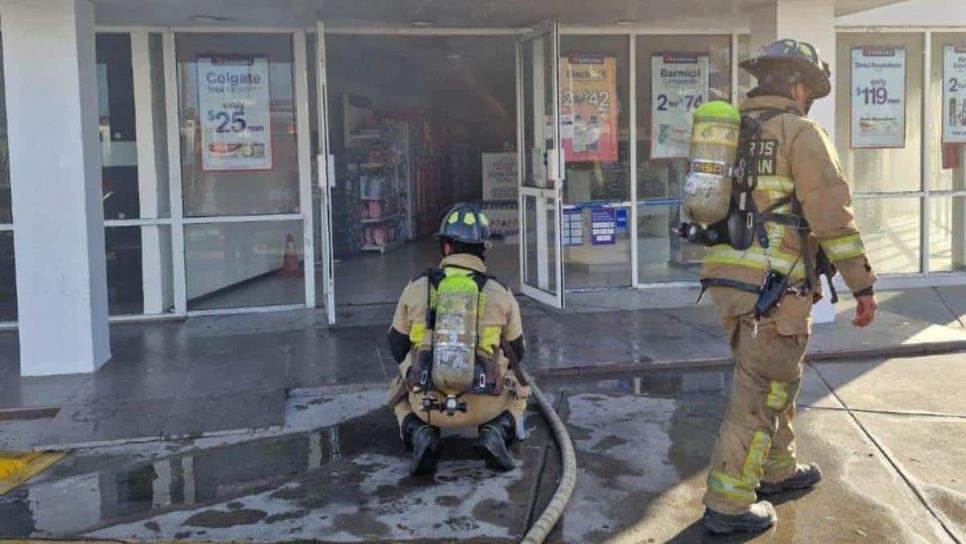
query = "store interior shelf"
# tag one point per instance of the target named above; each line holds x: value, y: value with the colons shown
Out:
x: 382, y: 219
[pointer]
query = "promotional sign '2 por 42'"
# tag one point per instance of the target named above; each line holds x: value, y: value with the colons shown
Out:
x: 878, y: 97
x: 588, y: 107
x: 233, y: 100
x: 954, y: 94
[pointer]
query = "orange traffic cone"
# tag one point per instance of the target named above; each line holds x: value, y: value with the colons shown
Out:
x: 290, y: 262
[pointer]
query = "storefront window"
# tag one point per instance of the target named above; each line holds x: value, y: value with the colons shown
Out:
x: 891, y: 231
x: 675, y: 74
x: 234, y: 265
x: 8, y: 278
x: 595, y: 130
x: 159, y: 110
x: 125, y: 285
x: 115, y: 85
x: 877, y: 154
x: 239, y: 157
x: 947, y: 234
x: 945, y: 161
x: 745, y: 81
x: 238, y: 139
x: 8, y: 275
x: 6, y: 205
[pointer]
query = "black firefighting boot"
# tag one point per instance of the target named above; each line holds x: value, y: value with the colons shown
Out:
x: 492, y: 442
x: 760, y: 517
x: 423, y: 439
x: 805, y: 476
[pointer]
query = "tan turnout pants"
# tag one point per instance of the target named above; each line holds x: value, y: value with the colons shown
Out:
x: 756, y: 440
x: 479, y: 408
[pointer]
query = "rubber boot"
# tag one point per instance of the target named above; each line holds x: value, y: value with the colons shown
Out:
x: 423, y: 439
x: 492, y: 442
x: 759, y: 517
x: 805, y: 476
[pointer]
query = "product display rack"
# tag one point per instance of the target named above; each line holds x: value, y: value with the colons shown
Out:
x: 378, y: 182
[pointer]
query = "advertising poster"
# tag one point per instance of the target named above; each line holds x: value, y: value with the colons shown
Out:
x: 878, y: 97
x: 233, y: 107
x: 679, y: 85
x: 603, y: 224
x: 588, y: 107
x: 954, y: 94
x: 500, y: 176
x: 573, y: 227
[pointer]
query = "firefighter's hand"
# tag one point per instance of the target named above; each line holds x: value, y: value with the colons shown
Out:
x: 865, y: 309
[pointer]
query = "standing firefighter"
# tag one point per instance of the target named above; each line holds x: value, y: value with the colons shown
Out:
x: 788, y: 220
x: 454, y: 333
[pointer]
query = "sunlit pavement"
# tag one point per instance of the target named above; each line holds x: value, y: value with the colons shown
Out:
x: 889, y: 435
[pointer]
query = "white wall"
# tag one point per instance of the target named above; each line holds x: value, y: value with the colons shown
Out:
x: 910, y: 13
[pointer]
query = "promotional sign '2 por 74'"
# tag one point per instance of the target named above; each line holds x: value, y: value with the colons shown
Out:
x: 954, y: 94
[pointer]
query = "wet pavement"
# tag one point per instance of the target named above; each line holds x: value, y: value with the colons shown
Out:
x: 234, y: 374
x: 888, y: 433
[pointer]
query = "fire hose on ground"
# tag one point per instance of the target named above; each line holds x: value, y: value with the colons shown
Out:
x: 544, y: 524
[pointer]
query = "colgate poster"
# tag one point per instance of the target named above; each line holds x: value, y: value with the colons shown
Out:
x: 588, y: 107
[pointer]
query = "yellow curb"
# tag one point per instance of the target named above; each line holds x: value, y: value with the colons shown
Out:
x: 16, y: 467
x: 32, y: 541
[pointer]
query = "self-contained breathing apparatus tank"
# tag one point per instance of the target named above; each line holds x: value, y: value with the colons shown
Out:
x: 455, y: 333
x: 717, y: 193
x: 714, y: 147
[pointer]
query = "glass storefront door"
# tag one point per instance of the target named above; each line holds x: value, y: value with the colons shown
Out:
x: 541, y: 163
x: 245, y: 179
x: 324, y: 176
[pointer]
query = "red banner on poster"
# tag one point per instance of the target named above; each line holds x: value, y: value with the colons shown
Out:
x: 588, y: 107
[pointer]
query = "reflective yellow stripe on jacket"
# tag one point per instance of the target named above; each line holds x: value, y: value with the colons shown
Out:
x: 754, y: 257
x: 775, y: 188
x: 843, y: 247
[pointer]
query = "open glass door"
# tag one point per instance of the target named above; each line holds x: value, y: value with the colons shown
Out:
x: 326, y: 175
x: 541, y: 165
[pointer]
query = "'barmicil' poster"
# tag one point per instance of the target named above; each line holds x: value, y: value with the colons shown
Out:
x: 679, y: 85
x: 234, y: 112
x: 954, y: 94
x: 878, y: 97
x: 588, y: 107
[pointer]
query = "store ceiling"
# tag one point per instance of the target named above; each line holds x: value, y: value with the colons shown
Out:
x: 439, y: 13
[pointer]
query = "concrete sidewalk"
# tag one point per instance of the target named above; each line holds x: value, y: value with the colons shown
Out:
x: 891, y: 457
x: 211, y: 376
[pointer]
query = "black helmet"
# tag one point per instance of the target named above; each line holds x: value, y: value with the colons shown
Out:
x: 464, y: 223
x: 789, y: 62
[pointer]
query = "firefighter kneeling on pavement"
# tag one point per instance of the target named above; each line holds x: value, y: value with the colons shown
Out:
x: 457, y: 335
x: 789, y: 220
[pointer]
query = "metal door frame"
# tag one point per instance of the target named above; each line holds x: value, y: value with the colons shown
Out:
x: 551, y: 197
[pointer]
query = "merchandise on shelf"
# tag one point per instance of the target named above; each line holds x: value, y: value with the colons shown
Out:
x: 376, y: 184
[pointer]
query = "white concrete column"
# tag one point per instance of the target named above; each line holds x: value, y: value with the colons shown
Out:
x: 812, y: 21
x: 55, y: 169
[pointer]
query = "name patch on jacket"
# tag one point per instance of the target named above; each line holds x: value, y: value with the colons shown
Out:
x: 767, y: 151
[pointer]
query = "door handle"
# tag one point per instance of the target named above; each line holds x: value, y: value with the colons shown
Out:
x: 326, y: 164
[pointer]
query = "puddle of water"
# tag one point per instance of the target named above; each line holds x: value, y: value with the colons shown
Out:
x: 75, y: 503
x: 661, y: 384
